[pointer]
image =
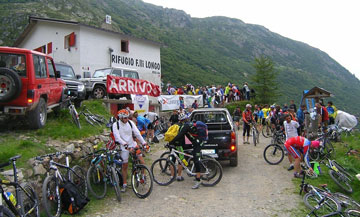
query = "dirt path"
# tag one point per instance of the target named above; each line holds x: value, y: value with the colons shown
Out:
x: 254, y: 188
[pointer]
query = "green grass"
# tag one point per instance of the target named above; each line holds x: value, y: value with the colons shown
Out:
x: 350, y: 162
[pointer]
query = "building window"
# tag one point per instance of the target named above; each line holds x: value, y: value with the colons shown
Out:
x: 124, y: 46
x: 69, y: 40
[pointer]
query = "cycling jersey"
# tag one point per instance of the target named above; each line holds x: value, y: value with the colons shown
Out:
x: 142, y: 123
x: 247, y: 116
x: 298, y: 144
x: 266, y: 112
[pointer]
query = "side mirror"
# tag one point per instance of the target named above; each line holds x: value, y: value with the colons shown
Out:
x: 57, y: 74
x: 78, y: 76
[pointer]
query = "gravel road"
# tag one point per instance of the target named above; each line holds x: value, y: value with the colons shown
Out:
x: 253, y: 188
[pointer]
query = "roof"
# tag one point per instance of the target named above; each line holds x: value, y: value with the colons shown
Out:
x: 33, y: 21
x: 20, y: 50
x: 210, y: 109
x: 317, y: 92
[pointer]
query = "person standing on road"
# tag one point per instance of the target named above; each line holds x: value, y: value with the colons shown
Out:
x: 237, y: 115
x: 174, y: 118
x: 124, y: 131
x: 301, y: 118
x: 153, y: 117
x: 247, y: 118
x: 290, y: 127
x: 297, y: 145
x: 247, y: 91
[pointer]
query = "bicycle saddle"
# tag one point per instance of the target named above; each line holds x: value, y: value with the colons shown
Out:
x: 15, y: 157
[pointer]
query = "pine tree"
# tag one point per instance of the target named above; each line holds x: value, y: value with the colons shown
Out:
x: 264, y: 80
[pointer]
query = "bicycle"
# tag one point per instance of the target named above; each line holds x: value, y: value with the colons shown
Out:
x: 255, y: 133
x: 267, y: 131
x: 105, y: 169
x: 275, y: 152
x: 26, y: 201
x: 340, y: 175
x: 165, y: 168
x: 74, y: 114
x: 51, y: 188
x: 91, y: 118
x: 326, y: 148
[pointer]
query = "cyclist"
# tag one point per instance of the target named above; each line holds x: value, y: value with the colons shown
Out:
x: 299, y: 146
x: 290, y: 127
x: 153, y: 117
x: 266, y: 113
x: 247, y: 118
x: 124, y: 131
x: 142, y: 124
x: 187, y: 129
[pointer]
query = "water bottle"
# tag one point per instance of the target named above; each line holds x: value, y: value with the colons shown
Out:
x: 11, y: 197
x: 185, y: 162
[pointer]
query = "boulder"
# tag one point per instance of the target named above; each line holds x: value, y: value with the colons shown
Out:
x: 39, y: 170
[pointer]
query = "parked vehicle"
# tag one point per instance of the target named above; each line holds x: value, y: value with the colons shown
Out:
x: 96, y: 85
x: 76, y: 87
x: 222, y: 142
x: 29, y: 85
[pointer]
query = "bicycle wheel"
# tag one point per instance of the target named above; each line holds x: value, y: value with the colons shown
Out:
x: 266, y: 131
x: 162, y: 169
x: 96, y: 181
x: 254, y: 136
x: 115, y: 183
x: 7, y: 212
x: 211, y: 172
x: 342, y: 169
x: 341, y: 181
x: 141, y: 181
x: 257, y: 137
x: 346, y: 201
x: 30, y: 201
x: 329, y: 204
x: 75, y: 117
x: 329, y: 148
x: 51, y: 197
x: 79, y: 179
x: 314, y: 155
x: 165, y: 155
x: 352, y: 213
x: 273, y: 154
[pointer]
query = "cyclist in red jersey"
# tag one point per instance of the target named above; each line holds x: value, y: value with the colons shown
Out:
x: 299, y: 146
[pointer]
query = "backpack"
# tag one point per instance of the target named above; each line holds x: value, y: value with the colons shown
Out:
x: 71, y: 199
x: 171, y: 133
x: 200, y: 130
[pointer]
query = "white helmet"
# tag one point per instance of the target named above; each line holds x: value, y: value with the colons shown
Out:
x: 182, y: 116
x: 248, y: 106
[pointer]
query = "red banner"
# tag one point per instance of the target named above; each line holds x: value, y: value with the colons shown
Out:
x: 122, y: 85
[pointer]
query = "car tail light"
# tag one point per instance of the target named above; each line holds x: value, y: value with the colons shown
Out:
x: 233, y: 148
x: 233, y: 137
x: 30, y: 96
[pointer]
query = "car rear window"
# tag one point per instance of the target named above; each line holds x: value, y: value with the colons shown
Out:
x: 101, y: 73
x: 65, y: 71
x: 15, y: 62
x: 210, y: 117
x: 131, y: 74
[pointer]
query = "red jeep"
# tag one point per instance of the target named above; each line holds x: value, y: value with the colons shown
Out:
x: 29, y: 85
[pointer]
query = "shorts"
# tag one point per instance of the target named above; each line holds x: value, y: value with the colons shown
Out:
x: 125, y: 154
x: 263, y: 121
x: 236, y: 118
x: 150, y: 126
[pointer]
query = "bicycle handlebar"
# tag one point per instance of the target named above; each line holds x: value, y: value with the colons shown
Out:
x: 4, y: 164
x: 57, y: 154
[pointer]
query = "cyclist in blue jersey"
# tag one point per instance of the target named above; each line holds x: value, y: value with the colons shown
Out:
x: 142, y: 123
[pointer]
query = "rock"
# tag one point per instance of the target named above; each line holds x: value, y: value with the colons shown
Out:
x: 70, y: 147
x: 39, y: 170
x: 31, y: 162
x: 7, y: 173
x: 29, y: 172
x: 104, y: 138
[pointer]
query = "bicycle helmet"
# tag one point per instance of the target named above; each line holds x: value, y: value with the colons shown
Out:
x: 315, y: 144
x: 182, y: 116
x: 123, y: 113
x: 248, y: 106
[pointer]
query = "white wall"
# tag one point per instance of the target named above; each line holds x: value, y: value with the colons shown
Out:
x: 45, y: 32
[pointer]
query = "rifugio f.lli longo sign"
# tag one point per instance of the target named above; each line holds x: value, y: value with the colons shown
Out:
x: 135, y: 62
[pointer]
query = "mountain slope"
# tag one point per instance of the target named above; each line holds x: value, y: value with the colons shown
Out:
x: 205, y: 51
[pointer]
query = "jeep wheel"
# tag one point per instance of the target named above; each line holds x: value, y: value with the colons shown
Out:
x: 234, y: 161
x: 38, y: 116
x: 10, y: 85
x: 98, y: 92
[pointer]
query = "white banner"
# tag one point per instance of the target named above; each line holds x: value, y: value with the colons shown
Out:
x: 141, y: 103
x: 171, y: 102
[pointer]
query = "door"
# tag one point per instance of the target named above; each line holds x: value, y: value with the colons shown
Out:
x: 42, y: 85
x: 55, y: 84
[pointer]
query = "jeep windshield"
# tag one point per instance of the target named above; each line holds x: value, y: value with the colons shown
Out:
x: 15, y: 62
x: 65, y: 71
x: 210, y: 117
x: 101, y: 73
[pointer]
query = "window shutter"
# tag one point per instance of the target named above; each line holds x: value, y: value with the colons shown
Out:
x: 39, y: 49
x: 72, y: 39
x: 49, y: 48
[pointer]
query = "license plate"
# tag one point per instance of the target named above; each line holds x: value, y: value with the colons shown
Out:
x: 208, y: 151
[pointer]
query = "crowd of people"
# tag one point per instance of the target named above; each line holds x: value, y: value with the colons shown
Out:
x: 215, y: 96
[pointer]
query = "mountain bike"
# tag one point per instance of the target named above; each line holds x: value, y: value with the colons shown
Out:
x: 25, y: 202
x: 255, y: 133
x: 326, y: 148
x: 74, y: 114
x: 51, y: 188
x: 164, y: 170
x: 340, y: 175
x: 91, y: 118
x: 267, y: 130
x: 105, y: 169
x: 275, y: 152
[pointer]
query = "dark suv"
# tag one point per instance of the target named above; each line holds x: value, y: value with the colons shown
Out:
x: 76, y: 87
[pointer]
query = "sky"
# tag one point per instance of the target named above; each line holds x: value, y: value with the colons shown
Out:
x: 333, y: 26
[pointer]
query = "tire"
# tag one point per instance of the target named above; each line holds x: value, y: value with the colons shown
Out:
x: 234, y: 161
x: 347, y: 201
x: 273, y: 154
x: 38, y: 116
x: 30, y: 201
x: 95, y: 178
x: 254, y: 135
x: 257, y: 137
x: 75, y: 117
x: 341, y: 181
x: 165, y: 154
x: 314, y: 155
x: 215, y: 172
x: 352, y: 213
x: 98, y: 92
x: 51, y: 197
x: 116, y: 182
x: 79, y: 179
x: 342, y: 169
x: 330, y: 204
x: 161, y: 171
x: 10, y: 85
x: 7, y: 212
x: 141, y: 184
